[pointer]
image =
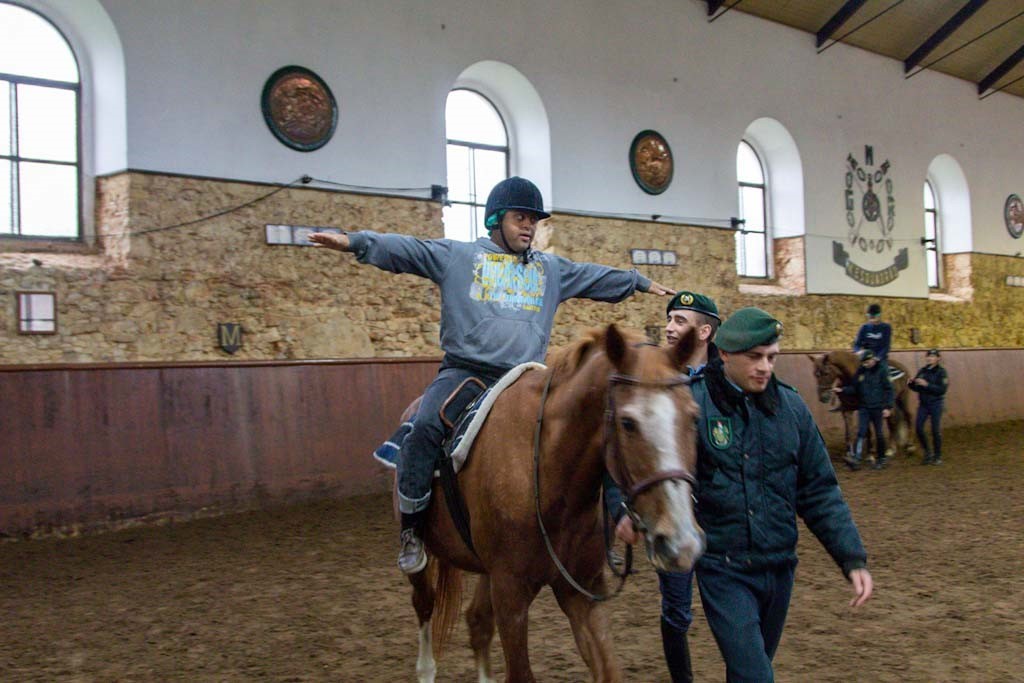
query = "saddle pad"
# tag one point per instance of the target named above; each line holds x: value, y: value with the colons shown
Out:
x: 895, y: 373
x: 468, y: 427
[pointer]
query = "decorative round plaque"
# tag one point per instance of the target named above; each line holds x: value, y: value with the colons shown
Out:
x: 299, y: 108
x: 650, y: 160
x: 1013, y: 214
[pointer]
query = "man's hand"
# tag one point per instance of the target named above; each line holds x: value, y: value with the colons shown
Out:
x: 338, y: 242
x: 921, y: 381
x: 862, y: 586
x: 659, y: 289
x: 625, y: 532
x: 886, y: 412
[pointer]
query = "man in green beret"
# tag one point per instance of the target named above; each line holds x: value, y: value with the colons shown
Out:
x: 761, y: 463
x: 685, y: 311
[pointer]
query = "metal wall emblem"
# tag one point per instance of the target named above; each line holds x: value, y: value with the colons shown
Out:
x: 650, y: 160
x: 869, y: 220
x: 229, y: 336
x: 299, y: 108
x: 1013, y: 214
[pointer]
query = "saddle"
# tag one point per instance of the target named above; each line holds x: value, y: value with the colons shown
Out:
x: 463, y: 414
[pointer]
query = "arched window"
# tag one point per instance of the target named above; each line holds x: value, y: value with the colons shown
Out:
x: 931, y: 235
x: 752, y: 237
x: 478, y: 159
x: 40, y: 141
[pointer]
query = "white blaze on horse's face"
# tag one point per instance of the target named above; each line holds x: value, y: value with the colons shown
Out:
x: 673, y: 538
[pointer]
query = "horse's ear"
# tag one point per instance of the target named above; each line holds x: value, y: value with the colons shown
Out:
x: 814, y: 359
x: 614, y: 345
x: 683, y: 350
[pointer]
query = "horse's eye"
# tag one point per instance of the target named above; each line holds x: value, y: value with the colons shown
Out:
x: 629, y: 424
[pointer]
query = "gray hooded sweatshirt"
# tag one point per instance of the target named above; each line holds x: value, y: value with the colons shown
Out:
x: 495, y: 310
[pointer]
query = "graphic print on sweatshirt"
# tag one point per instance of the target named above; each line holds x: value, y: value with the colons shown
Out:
x: 504, y: 279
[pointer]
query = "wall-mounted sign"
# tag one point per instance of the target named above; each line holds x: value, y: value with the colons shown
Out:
x: 229, y: 336
x: 299, y: 108
x: 870, y: 219
x: 1013, y: 214
x: 294, y: 235
x: 650, y: 160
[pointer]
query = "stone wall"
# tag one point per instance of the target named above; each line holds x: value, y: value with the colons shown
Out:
x: 152, y: 289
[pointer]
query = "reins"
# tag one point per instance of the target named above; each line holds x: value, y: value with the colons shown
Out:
x: 630, y: 490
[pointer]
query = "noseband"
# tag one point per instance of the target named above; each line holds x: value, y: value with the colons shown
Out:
x: 613, y: 449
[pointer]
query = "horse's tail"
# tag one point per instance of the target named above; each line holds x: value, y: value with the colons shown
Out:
x: 448, y: 603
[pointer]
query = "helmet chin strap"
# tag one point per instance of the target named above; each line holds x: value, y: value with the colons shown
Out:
x: 501, y: 231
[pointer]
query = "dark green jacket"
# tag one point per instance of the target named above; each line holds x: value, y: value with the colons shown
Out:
x: 761, y: 463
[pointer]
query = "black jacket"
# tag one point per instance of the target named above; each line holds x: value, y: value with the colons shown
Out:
x: 938, y: 382
x: 872, y: 387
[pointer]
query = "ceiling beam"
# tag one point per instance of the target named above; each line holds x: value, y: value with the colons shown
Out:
x: 935, y: 39
x: 1001, y: 70
x: 714, y: 6
x: 848, y: 9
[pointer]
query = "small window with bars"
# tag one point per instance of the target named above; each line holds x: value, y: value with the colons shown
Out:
x: 37, y: 313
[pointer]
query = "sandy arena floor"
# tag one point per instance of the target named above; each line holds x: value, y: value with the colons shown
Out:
x: 310, y: 594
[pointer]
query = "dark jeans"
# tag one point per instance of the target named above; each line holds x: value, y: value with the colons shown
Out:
x: 676, y: 598
x: 422, y: 447
x: 746, y: 612
x: 934, y: 412
x: 867, y: 417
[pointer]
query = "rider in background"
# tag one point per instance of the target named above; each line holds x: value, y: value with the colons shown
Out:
x: 498, y: 303
x: 930, y: 383
x: 874, y: 336
x: 875, y: 396
x: 762, y: 463
x: 685, y: 311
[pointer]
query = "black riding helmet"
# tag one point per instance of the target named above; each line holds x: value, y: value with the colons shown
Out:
x: 513, y: 193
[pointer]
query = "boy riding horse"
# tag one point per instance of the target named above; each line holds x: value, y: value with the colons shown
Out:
x: 498, y: 303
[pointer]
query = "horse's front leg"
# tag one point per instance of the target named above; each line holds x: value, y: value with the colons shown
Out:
x: 423, y: 596
x: 511, y: 598
x: 480, y: 619
x: 590, y: 628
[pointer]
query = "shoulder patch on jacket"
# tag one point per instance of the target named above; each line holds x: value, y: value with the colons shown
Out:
x: 788, y: 386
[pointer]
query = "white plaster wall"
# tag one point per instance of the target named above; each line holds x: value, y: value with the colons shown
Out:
x: 604, y: 71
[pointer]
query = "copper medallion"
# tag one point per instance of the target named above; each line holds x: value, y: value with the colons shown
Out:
x: 299, y: 108
x: 650, y: 160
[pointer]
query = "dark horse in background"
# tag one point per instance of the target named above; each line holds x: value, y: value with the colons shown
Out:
x: 607, y: 402
x: 836, y: 369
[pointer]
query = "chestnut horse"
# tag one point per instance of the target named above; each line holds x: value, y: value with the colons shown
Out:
x: 836, y: 369
x: 606, y: 402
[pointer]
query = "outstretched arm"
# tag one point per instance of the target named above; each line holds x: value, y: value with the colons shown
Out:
x: 659, y: 289
x: 338, y: 242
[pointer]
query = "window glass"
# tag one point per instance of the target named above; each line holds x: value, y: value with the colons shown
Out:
x: 752, y: 208
x: 748, y: 166
x: 46, y: 123
x: 470, y: 117
x: 31, y: 46
x: 931, y: 235
x: 48, y: 200
x: 5, y: 117
x: 6, y: 220
x: 477, y: 155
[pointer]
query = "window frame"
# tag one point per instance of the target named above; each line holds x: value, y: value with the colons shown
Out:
x: 931, y: 244
x: 19, y: 295
x: 76, y: 87
x: 472, y: 146
x: 742, y: 230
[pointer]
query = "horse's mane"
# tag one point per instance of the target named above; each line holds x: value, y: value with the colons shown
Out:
x: 565, y: 361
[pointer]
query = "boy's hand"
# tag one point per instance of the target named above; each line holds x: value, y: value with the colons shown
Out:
x: 338, y: 242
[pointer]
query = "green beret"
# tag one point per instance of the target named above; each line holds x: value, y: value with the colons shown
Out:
x: 747, y: 328
x: 691, y: 301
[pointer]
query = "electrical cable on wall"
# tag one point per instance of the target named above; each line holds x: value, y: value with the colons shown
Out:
x: 301, y: 180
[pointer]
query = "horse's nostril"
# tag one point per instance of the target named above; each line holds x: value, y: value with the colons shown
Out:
x: 663, y: 547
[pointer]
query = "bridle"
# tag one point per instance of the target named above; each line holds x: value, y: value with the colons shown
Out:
x: 613, y: 455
